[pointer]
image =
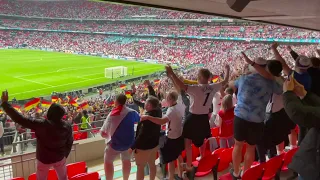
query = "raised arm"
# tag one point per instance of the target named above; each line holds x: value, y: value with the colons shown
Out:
x: 292, y: 53
x: 17, y: 117
x: 150, y: 88
x: 226, y: 79
x: 258, y: 68
x: 175, y: 78
x: 286, y: 68
x: 135, y: 101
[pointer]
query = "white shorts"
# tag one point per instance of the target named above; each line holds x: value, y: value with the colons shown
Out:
x: 110, y: 155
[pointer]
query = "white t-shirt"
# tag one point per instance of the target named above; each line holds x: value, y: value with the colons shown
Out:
x: 216, y: 103
x: 175, y: 115
x: 201, y: 96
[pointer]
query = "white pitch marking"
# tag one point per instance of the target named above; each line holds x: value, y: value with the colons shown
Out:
x: 33, y: 81
x: 59, y: 70
x: 66, y: 84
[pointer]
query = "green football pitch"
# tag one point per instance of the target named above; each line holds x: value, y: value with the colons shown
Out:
x: 33, y: 73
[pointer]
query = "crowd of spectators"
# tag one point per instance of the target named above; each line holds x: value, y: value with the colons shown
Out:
x: 180, y: 51
x: 82, y: 9
x: 249, y: 31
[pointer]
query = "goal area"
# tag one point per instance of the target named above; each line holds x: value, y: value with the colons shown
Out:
x: 115, y: 72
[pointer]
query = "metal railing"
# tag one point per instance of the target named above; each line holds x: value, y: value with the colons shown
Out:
x: 21, y: 140
x: 24, y: 164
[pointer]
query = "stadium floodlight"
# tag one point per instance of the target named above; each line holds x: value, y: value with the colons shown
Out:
x: 115, y: 72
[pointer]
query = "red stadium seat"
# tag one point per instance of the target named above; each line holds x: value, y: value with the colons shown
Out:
x: 215, y: 132
x: 52, y: 175
x: 86, y: 176
x: 273, y: 167
x: 76, y: 168
x: 17, y: 178
x: 218, y: 151
x: 205, y: 165
x: 254, y: 173
x: 288, y: 158
x: 225, y: 159
x: 195, y: 152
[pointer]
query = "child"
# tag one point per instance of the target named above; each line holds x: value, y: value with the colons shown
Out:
x: 224, y: 120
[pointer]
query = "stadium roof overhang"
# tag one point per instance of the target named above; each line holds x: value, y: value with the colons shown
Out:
x: 296, y: 13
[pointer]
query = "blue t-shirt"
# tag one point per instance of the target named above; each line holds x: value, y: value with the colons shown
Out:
x: 304, y: 79
x: 254, y: 93
x: 123, y: 137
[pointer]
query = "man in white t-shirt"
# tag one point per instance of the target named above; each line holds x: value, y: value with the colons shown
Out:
x: 174, y: 143
x: 196, y: 127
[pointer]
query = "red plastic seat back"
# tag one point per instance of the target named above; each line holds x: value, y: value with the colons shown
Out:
x: 207, y: 163
x: 86, y: 176
x: 288, y: 156
x: 17, y: 178
x: 183, y: 154
x: 255, y: 172
x: 225, y: 159
x: 215, y: 132
x: 218, y: 151
x: 32, y: 177
x: 76, y: 168
x: 52, y: 175
x: 272, y: 166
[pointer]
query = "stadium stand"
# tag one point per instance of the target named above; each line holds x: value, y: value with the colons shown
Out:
x: 140, y: 41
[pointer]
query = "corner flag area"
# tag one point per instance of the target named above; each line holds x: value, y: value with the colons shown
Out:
x: 29, y: 73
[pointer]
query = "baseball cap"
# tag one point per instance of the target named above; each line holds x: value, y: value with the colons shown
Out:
x: 303, y: 62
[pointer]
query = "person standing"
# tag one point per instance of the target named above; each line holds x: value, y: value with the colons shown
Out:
x: 254, y: 92
x: 196, y: 127
x: 224, y: 121
x: 300, y: 74
x: 146, y: 143
x: 303, y: 108
x: 118, y: 129
x: 54, y: 138
x: 174, y: 142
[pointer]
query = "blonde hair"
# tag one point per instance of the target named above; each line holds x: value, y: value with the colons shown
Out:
x: 173, y: 95
x: 227, y: 102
